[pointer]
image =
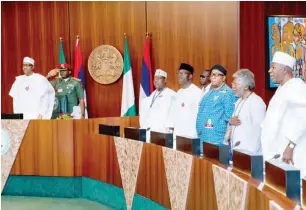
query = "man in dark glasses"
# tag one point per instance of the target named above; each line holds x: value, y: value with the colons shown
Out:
x: 205, y: 81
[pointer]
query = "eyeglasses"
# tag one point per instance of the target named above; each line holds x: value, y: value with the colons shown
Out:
x: 216, y: 75
x: 203, y: 76
x: 26, y: 65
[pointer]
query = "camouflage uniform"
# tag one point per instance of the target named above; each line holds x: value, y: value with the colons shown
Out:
x: 67, y: 94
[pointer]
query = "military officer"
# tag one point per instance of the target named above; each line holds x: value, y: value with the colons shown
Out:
x: 68, y: 91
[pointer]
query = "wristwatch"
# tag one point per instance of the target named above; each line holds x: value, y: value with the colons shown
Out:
x: 291, y: 145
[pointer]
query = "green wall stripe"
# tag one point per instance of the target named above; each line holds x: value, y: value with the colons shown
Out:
x: 75, y: 187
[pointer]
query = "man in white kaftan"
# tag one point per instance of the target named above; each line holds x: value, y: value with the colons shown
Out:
x: 185, y: 106
x: 154, y: 111
x: 248, y: 115
x: 284, y: 127
x: 32, y: 94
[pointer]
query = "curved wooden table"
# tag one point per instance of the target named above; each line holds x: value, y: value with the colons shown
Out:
x: 74, y: 148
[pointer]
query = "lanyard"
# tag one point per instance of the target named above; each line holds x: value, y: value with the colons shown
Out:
x: 234, y: 127
x: 154, y: 98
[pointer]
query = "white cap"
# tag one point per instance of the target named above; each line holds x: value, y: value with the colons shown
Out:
x: 283, y: 58
x: 28, y: 60
x: 160, y: 72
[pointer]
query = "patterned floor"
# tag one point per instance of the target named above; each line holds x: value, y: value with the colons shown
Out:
x: 39, y: 203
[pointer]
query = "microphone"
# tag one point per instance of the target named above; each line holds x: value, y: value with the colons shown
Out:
x: 236, y: 144
x: 231, y: 150
x: 275, y: 157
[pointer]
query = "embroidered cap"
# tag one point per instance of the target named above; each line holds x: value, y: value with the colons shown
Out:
x: 28, y: 60
x: 160, y: 72
x: 284, y: 58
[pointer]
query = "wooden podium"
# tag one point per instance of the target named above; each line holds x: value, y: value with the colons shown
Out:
x: 162, y: 139
x: 248, y: 163
x: 111, y: 130
x: 284, y: 178
x: 188, y: 145
x: 218, y: 152
x: 135, y: 134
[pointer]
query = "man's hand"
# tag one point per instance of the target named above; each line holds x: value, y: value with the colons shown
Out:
x: 288, y: 155
x: 52, y: 73
x: 235, y: 121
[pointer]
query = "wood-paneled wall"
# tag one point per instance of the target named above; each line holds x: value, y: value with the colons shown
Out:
x: 200, y: 33
x: 30, y: 29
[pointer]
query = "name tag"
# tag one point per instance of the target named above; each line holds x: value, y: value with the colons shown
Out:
x: 60, y: 90
x: 209, y: 124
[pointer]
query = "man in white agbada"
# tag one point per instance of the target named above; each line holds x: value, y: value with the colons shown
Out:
x: 32, y: 94
x: 185, y: 106
x: 154, y: 111
x: 284, y: 127
x: 249, y: 113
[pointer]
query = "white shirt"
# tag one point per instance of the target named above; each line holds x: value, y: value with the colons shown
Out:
x: 184, y: 111
x: 285, y: 121
x: 251, y: 112
x: 206, y: 89
x: 33, y: 95
x: 154, y: 111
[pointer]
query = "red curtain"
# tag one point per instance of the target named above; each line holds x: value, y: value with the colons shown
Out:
x: 253, y: 37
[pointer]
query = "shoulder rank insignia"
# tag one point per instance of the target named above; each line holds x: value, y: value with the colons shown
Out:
x: 77, y: 79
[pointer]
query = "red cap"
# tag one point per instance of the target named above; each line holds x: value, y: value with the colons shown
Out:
x: 64, y: 66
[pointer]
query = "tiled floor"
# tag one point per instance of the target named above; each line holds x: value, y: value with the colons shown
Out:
x: 43, y: 203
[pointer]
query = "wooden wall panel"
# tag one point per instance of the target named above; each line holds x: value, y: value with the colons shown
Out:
x: 46, y: 150
x: 56, y: 148
x: 151, y: 179
x: 100, y: 159
x: 104, y: 23
x: 199, y: 33
x: 80, y: 135
x: 30, y: 29
x: 201, y: 194
x: 83, y: 128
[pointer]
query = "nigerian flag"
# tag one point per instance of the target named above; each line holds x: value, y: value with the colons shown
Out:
x: 61, y: 53
x: 128, y: 98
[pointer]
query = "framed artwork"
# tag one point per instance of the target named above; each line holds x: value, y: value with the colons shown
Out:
x: 287, y: 34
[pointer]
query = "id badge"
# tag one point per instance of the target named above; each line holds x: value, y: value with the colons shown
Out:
x: 208, y: 124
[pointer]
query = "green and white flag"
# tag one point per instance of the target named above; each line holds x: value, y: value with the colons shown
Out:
x: 61, y: 52
x: 128, y: 107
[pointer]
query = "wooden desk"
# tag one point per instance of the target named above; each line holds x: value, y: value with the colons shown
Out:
x: 74, y: 148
